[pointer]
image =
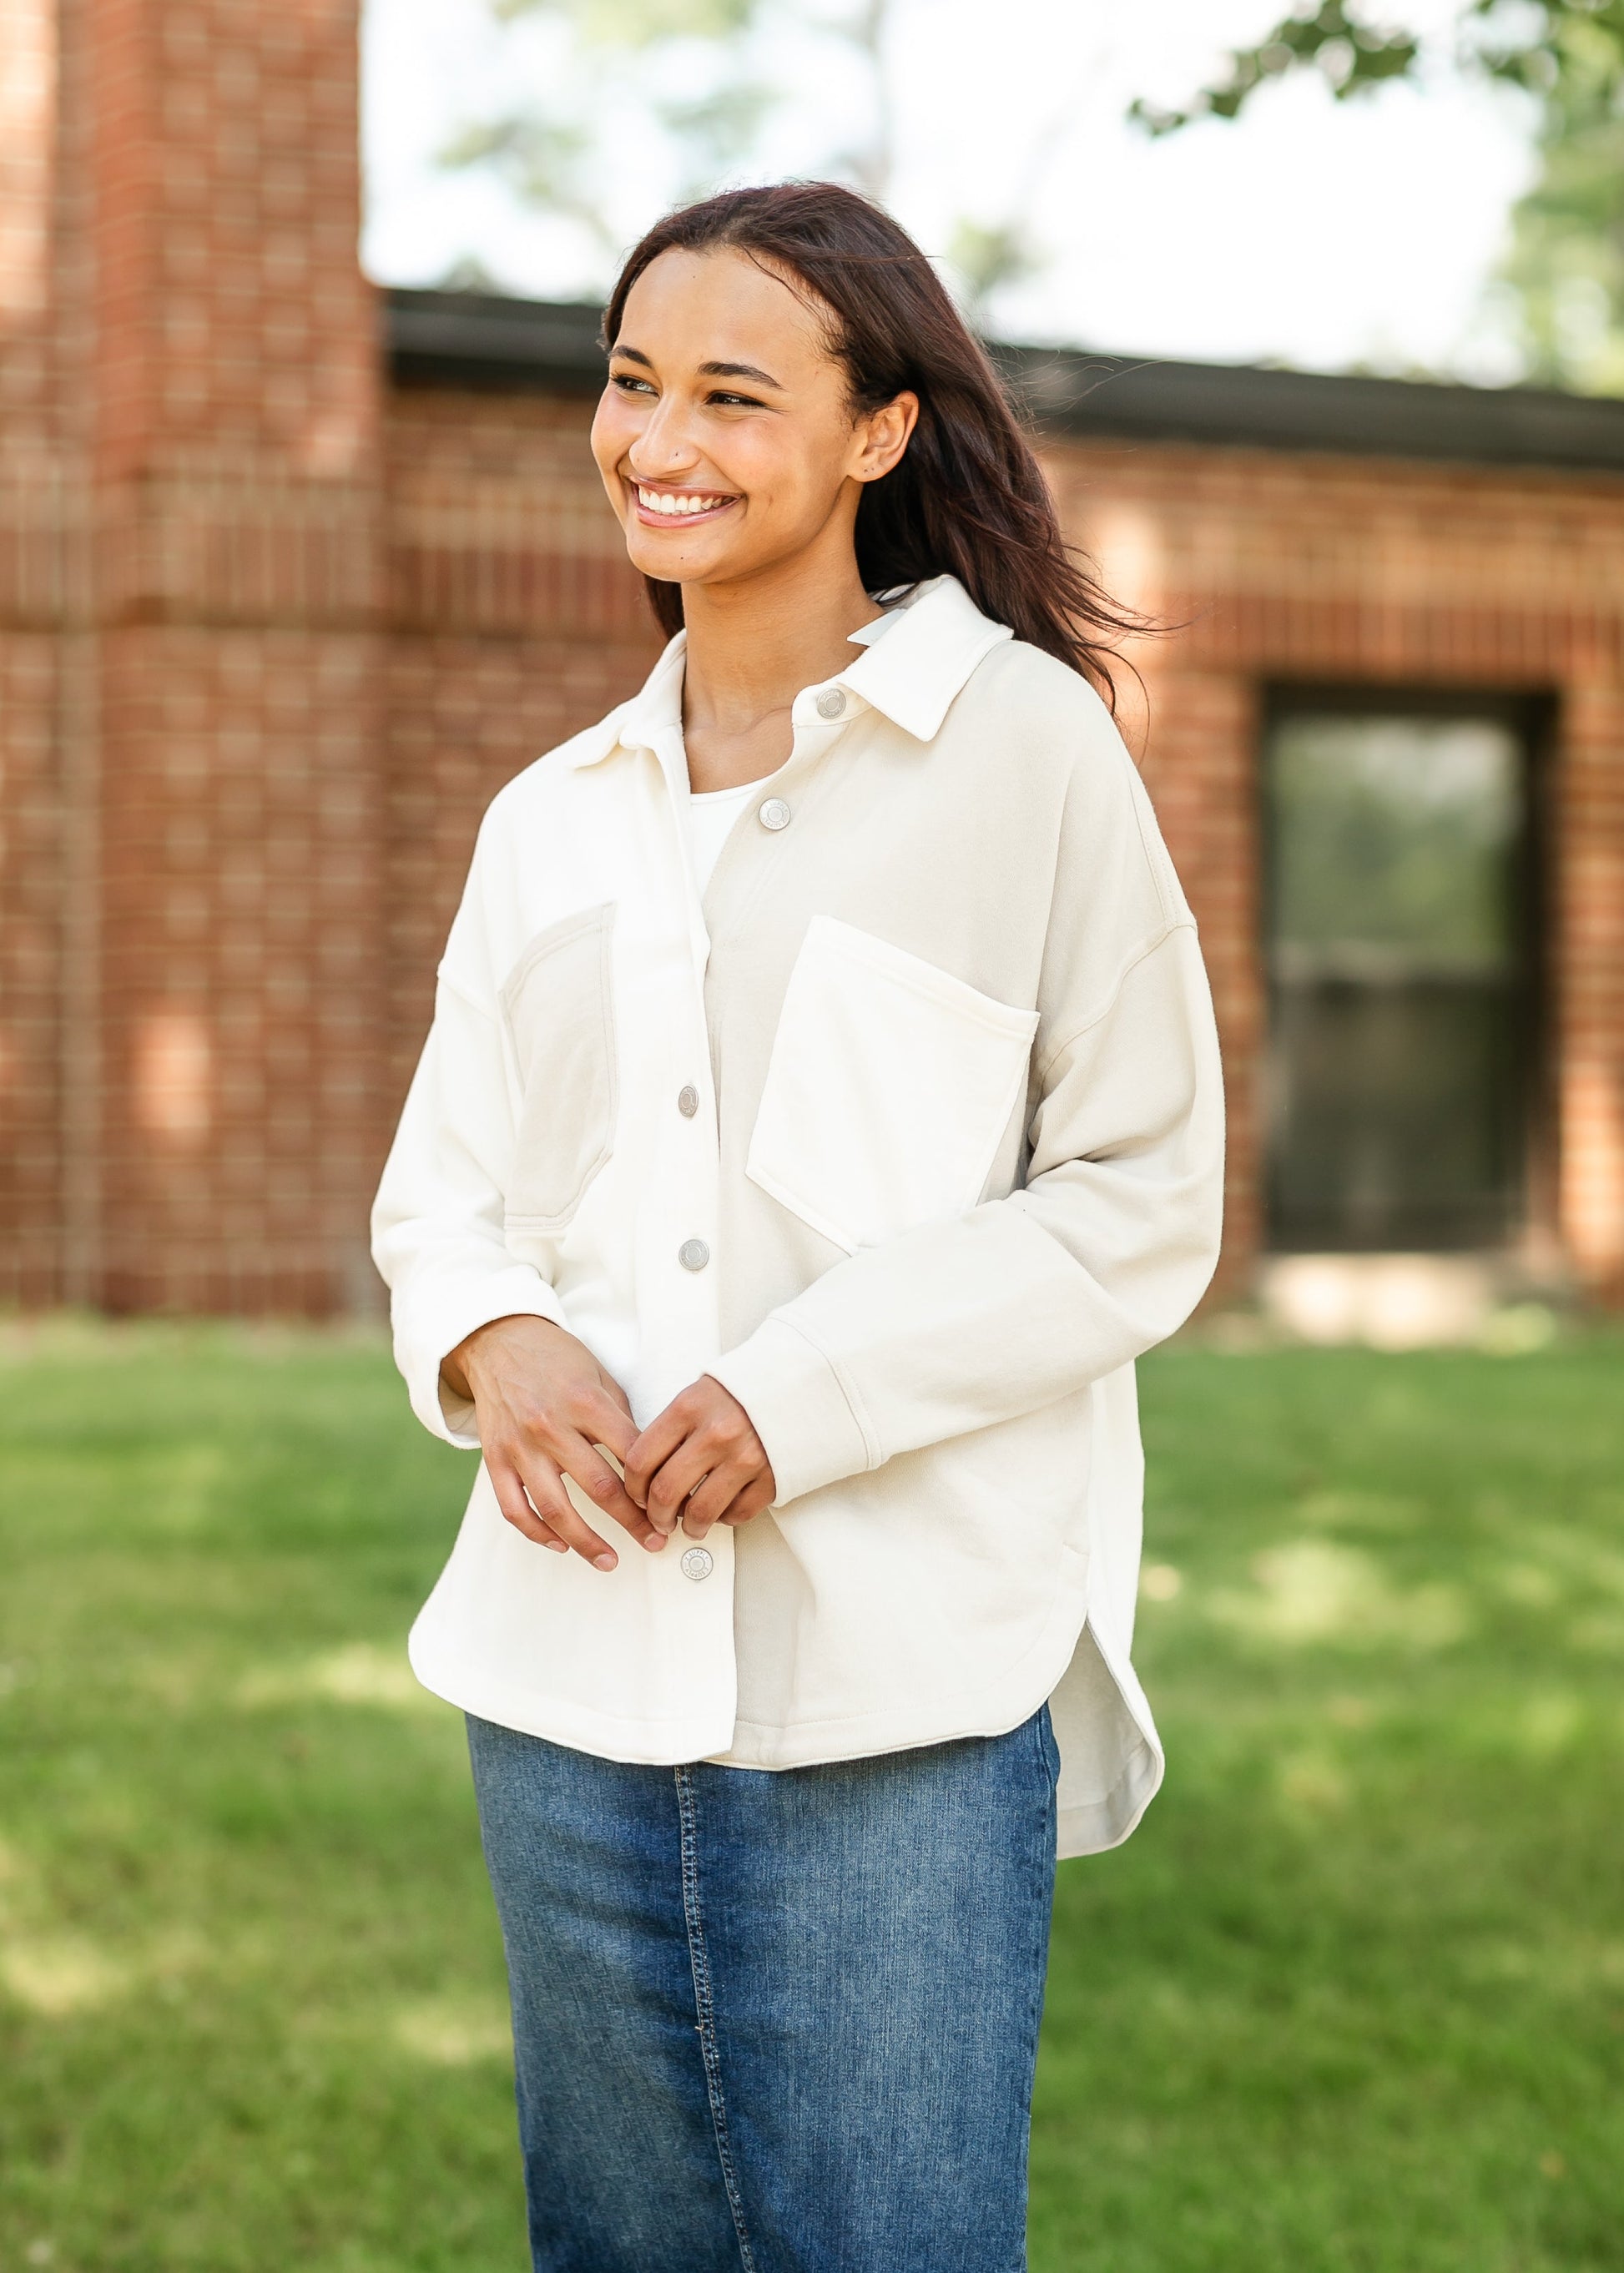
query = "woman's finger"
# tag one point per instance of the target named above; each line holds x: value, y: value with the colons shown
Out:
x: 545, y: 1488
x: 591, y: 1473
x: 645, y: 1458
x: 752, y: 1500
x: 681, y: 1472
x: 510, y: 1497
x: 714, y: 1494
x: 606, y: 1418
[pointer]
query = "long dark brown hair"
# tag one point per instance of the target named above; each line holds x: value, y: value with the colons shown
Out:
x: 967, y: 499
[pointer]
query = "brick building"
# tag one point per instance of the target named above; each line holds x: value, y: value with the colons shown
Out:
x: 293, y: 574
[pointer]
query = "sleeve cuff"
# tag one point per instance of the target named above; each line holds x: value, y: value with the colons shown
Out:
x: 438, y: 1321
x: 806, y: 1415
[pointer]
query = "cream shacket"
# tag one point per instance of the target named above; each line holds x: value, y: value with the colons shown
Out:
x: 910, y: 1132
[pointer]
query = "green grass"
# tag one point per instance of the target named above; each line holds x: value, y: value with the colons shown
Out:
x: 1351, y: 2001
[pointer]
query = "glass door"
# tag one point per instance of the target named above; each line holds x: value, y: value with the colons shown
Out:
x: 1399, y: 980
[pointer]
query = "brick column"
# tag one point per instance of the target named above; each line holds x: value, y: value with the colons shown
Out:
x: 49, y: 817
x: 30, y: 564
x: 1588, y: 960
x: 238, y: 599
x: 1200, y: 768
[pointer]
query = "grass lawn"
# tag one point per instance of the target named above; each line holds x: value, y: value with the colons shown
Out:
x: 1351, y: 2001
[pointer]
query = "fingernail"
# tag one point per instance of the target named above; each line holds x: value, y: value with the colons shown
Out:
x: 605, y: 1561
x: 655, y: 1542
x: 555, y: 1547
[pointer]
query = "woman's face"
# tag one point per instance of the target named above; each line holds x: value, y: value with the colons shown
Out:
x: 725, y: 436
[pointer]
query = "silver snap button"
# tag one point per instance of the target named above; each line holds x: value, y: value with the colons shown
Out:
x: 831, y: 703
x: 774, y: 813
x: 696, y: 1562
x: 693, y: 1254
x: 687, y: 1101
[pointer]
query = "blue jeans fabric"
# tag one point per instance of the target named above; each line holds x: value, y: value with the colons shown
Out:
x: 774, y: 2023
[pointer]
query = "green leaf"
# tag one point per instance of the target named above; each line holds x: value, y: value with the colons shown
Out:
x: 1350, y: 55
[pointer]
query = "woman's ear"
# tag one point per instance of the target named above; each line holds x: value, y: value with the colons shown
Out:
x: 883, y: 436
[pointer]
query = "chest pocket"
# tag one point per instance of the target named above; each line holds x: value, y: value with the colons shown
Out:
x: 889, y: 1086
x: 559, y: 1012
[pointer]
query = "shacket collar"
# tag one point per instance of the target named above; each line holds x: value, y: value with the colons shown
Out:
x: 923, y: 662
x: 912, y: 675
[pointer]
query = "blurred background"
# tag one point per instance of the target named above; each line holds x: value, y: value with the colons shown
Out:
x: 1319, y: 320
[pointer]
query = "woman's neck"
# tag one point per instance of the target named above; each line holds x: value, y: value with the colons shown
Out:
x: 751, y: 648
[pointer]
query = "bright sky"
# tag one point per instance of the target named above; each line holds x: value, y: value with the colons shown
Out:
x: 1313, y: 233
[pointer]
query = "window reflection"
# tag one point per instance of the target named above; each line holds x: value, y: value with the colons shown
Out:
x: 1396, y: 957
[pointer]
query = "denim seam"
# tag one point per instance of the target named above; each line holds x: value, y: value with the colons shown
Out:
x: 1042, y: 1728
x: 705, y: 2008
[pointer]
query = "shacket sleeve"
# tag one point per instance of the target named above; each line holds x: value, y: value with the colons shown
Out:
x: 1103, y: 1251
x: 437, y: 1222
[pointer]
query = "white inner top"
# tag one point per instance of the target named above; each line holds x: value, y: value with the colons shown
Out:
x: 709, y: 818
x: 713, y: 812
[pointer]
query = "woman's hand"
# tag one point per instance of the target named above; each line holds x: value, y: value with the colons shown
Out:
x: 700, y: 1462
x: 543, y: 1404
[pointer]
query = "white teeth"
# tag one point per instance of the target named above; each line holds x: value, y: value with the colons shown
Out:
x: 662, y: 502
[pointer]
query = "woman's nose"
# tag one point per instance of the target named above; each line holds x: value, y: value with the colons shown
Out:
x: 663, y: 447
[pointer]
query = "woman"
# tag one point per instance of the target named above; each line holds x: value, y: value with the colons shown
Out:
x: 821, y: 1112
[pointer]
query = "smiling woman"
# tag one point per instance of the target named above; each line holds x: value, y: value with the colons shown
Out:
x: 822, y: 1113
x: 967, y: 496
x: 730, y: 481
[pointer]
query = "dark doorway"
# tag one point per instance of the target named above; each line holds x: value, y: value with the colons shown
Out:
x: 1399, y: 944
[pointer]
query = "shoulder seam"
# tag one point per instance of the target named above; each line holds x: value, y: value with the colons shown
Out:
x: 1131, y: 962
x: 1158, y: 859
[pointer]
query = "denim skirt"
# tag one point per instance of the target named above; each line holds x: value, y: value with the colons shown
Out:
x: 774, y: 2022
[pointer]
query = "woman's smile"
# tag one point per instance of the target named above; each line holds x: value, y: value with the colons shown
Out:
x: 660, y: 503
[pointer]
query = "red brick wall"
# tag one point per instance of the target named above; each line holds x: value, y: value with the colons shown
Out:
x: 30, y: 957
x: 242, y: 915
x: 46, y: 689
x: 192, y: 532
x: 514, y: 622
x: 271, y: 633
x: 1589, y: 954
x: 1300, y: 569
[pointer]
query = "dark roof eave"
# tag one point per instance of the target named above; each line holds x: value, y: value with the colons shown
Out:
x: 484, y: 340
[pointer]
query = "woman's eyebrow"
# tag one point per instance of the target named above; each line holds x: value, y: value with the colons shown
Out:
x: 740, y: 371
x: 707, y: 370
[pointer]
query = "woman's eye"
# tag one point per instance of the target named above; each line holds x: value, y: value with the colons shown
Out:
x: 629, y: 383
x: 737, y: 401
